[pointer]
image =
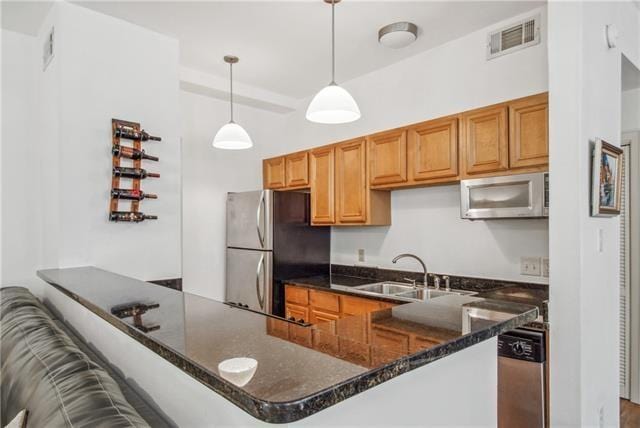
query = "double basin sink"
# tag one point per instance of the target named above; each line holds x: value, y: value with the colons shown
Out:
x: 405, y: 291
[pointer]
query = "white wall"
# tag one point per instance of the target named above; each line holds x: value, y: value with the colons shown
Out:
x: 631, y: 110
x: 102, y: 68
x: 585, y: 100
x: 208, y: 174
x: 20, y: 183
x: 448, y: 79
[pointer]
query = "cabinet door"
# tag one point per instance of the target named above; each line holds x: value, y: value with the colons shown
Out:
x: 351, y: 182
x: 273, y: 173
x: 300, y: 313
x: 322, y: 186
x: 323, y: 319
x: 388, y: 157
x: 529, y: 132
x: 433, y: 149
x: 297, y: 169
x: 486, y: 140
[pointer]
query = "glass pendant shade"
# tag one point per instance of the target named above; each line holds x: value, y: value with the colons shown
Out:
x: 332, y: 105
x: 232, y: 137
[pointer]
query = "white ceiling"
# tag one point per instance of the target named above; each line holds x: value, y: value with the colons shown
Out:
x: 284, y: 46
x: 24, y: 16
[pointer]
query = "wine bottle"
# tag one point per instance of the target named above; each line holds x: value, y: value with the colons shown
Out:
x: 131, y: 194
x: 121, y: 171
x: 131, y: 153
x: 130, y: 216
x: 132, y: 134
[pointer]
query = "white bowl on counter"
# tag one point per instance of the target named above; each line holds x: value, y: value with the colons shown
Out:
x: 238, y: 371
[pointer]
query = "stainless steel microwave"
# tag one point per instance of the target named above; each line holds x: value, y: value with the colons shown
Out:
x: 511, y: 196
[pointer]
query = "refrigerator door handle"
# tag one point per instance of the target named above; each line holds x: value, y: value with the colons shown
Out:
x: 258, y: 218
x: 258, y: 271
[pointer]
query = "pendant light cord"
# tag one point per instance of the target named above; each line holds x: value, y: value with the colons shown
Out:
x: 231, y: 90
x: 333, y: 42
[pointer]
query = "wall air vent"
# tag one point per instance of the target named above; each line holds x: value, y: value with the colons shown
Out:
x: 514, y: 37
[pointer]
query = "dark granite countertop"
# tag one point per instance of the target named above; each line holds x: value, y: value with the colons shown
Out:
x: 301, y: 370
x: 343, y: 277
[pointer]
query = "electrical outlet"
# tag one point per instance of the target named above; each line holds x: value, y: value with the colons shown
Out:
x: 545, y: 267
x: 361, y: 255
x: 530, y: 266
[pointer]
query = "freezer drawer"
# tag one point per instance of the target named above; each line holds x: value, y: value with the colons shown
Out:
x: 249, y: 278
x: 249, y: 220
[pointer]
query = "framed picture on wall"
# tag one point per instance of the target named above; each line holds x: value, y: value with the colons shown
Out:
x: 606, y: 179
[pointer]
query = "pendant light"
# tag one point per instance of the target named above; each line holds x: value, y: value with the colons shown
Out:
x: 333, y: 104
x: 232, y: 136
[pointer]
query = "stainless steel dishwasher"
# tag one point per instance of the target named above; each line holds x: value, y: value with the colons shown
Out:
x: 522, y: 379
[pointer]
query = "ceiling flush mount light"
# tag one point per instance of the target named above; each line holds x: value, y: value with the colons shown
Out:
x: 333, y: 104
x: 398, y: 35
x: 232, y: 136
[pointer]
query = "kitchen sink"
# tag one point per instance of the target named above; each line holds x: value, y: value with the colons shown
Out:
x: 388, y: 288
x: 405, y: 291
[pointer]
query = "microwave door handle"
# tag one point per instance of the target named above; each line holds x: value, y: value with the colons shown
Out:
x: 258, y: 271
x: 258, y: 218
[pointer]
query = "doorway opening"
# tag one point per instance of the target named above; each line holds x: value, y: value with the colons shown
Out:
x: 630, y: 246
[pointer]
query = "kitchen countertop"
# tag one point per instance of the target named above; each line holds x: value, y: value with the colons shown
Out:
x: 292, y: 381
x: 516, y: 292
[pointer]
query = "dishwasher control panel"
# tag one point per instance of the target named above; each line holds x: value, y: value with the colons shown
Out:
x: 521, y: 344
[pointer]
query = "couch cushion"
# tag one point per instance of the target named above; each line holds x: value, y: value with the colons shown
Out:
x: 43, y: 371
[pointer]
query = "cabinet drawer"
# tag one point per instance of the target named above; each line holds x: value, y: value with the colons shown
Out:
x: 323, y: 300
x: 357, y: 306
x: 297, y: 295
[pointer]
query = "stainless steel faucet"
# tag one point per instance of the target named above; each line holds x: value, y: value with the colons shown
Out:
x: 424, y: 267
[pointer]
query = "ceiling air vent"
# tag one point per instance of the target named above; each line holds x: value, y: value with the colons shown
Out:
x: 514, y: 37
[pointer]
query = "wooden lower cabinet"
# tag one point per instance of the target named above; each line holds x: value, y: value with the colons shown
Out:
x: 299, y: 313
x: 355, y: 329
x: 323, y: 319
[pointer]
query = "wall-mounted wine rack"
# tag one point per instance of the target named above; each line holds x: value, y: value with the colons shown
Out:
x: 129, y: 131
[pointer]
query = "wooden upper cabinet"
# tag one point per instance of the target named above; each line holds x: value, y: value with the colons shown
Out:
x: 297, y: 169
x: 529, y: 132
x: 273, y: 173
x: 351, y: 181
x: 388, y: 157
x: 433, y: 149
x: 322, y: 172
x: 486, y: 145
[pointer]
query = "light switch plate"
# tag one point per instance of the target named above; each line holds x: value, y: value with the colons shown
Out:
x: 361, y: 255
x: 545, y: 267
x: 530, y: 266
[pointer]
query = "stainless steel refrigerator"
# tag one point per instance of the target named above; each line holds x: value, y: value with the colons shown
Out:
x: 269, y: 240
